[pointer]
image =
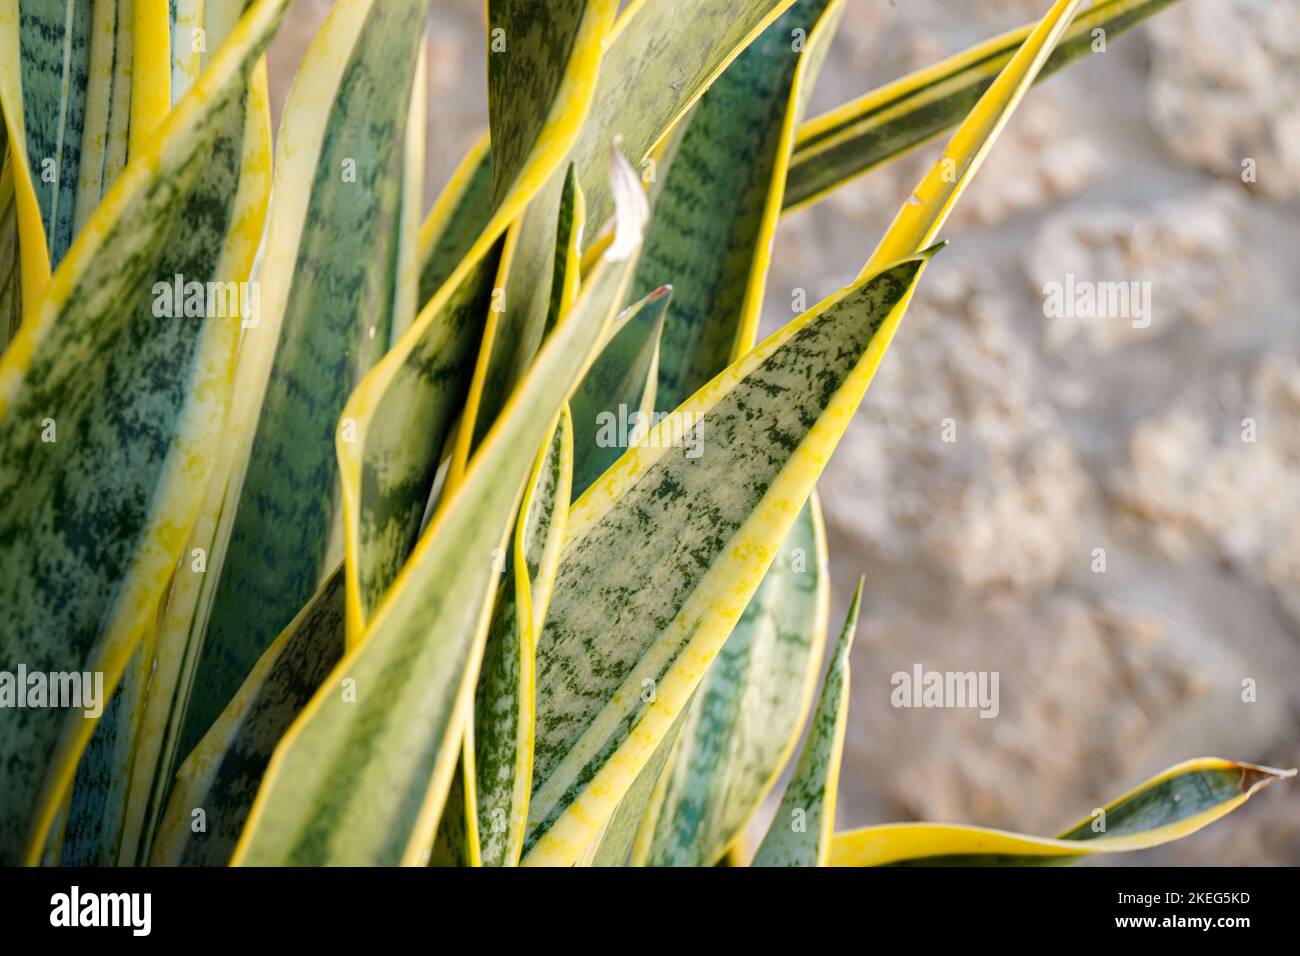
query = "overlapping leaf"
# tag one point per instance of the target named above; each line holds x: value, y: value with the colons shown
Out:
x: 330, y: 297
x: 420, y: 385
x: 122, y: 443
x: 837, y: 146
x: 715, y: 531
x: 714, y: 225
x: 365, y: 781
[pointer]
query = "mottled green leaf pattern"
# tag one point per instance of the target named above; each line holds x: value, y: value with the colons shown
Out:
x: 717, y: 516
x: 619, y: 386
x: 86, y: 550
x: 749, y: 710
x: 334, y: 324
x: 711, y: 234
x: 221, y: 777
x: 800, y: 834
x: 365, y: 782
x: 503, y: 706
x: 55, y: 51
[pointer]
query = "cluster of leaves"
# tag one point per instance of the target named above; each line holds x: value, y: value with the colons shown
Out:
x: 372, y: 569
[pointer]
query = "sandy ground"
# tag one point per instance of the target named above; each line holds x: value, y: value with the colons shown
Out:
x: 1114, y: 524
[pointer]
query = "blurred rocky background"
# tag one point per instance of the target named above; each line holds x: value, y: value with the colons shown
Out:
x: 1113, y: 523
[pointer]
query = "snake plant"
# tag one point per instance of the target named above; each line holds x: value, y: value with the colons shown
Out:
x: 484, y: 538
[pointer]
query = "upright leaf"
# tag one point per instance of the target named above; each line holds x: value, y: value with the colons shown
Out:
x: 503, y: 708
x: 704, y: 501
x: 653, y: 70
x: 419, y: 386
x: 715, y: 221
x: 129, y: 406
x: 331, y: 292
x: 800, y: 834
x: 365, y: 782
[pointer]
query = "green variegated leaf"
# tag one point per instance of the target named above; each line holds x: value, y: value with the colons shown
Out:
x: 748, y: 711
x: 215, y: 786
x: 719, y: 483
x: 838, y: 146
x: 122, y: 442
x: 503, y: 710
x: 60, y: 92
x: 1169, y: 806
x: 105, y: 820
x: 329, y: 300
x: 11, y: 291
x: 800, y: 834
x: 365, y: 782
x: 717, y: 209
x: 653, y: 70
x: 714, y: 222
x: 619, y: 387
x: 420, y: 384
x: 620, y: 837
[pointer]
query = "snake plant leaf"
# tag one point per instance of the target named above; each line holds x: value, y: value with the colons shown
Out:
x: 11, y: 290
x: 725, y: 807
x: 748, y: 712
x: 329, y: 299
x: 622, y: 835
x: 365, y: 780
x: 487, y: 805
x: 418, y: 386
x: 619, y: 389
x: 503, y: 710
x: 219, y: 779
x: 163, y: 384
x: 394, y: 496
x: 921, y: 217
x: 107, y: 816
x: 838, y: 146
x: 59, y: 91
x: 617, y: 664
x: 800, y: 834
x: 1171, y: 805
x: 529, y: 51
x: 716, y: 214
x: 653, y: 70
x: 188, y: 39
x: 731, y: 161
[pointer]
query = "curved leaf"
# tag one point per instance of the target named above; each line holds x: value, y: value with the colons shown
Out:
x: 1169, y: 806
